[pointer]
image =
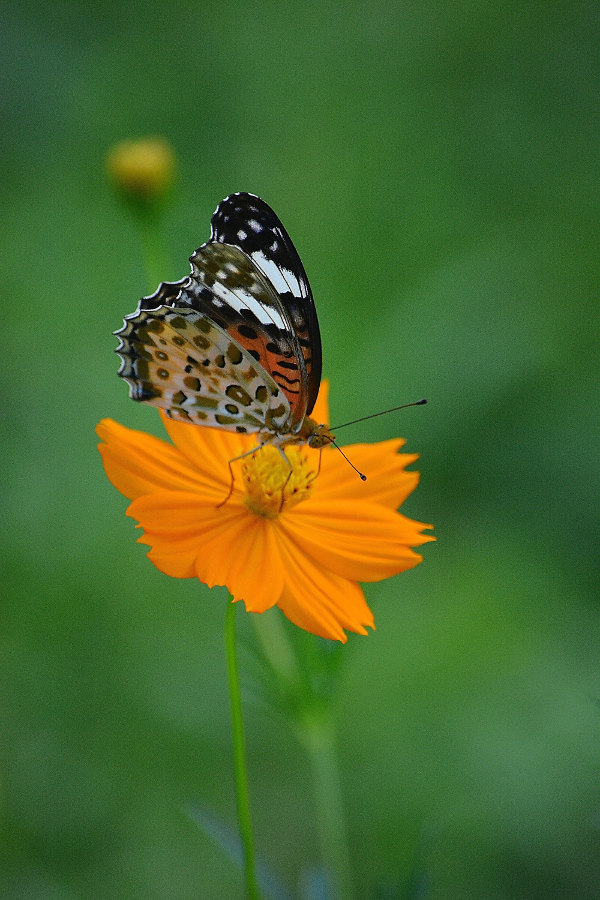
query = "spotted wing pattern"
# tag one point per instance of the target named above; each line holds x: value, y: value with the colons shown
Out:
x: 228, y: 346
x: 181, y: 361
x: 227, y: 286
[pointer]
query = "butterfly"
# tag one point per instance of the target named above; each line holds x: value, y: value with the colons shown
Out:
x: 236, y: 344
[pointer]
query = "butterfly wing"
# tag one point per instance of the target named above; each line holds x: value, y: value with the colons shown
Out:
x: 247, y: 294
x: 183, y: 362
x: 227, y: 286
x: 245, y: 221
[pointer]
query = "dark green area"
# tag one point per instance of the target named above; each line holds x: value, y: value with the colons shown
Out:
x: 437, y: 166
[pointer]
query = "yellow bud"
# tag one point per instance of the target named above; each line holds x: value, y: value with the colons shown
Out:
x: 143, y: 170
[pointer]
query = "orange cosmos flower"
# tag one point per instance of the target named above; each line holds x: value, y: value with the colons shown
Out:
x: 305, y: 556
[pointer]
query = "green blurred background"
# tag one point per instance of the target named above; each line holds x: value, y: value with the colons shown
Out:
x: 437, y: 166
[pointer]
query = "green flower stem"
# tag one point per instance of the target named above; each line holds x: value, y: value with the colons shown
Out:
x: 239, y: 755
x: 278, y: 650
x: 315, y: 729
x: 318, y: 736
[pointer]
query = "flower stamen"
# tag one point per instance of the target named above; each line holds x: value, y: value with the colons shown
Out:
x: 274, y: 480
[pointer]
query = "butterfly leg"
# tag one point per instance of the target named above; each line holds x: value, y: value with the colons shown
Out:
x: 318, y: 472
x: 285, y: 483
x: 231, y: 474
x: 250, y: 453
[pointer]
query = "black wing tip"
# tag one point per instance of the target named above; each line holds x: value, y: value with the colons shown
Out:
x: 246, y: 195
x: 230, y: 201
x: 240, y: 195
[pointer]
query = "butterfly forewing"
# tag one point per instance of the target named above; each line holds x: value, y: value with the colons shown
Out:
x: 247, y: 222
x: 226, y: 285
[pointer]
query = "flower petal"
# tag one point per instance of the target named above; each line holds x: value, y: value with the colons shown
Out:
x: 220, y: 546
x: 175, y: 525
x: 138, y: 463
x: 365, y: 543
x: 387, y: 482
x: 254, y: 569
x: 319, y: 601
x: 320, y: 412
x: 208, y: 449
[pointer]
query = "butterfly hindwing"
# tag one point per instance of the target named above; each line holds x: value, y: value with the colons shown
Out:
x: 179, y: 360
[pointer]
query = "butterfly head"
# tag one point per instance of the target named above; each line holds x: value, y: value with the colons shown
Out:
x: 315, y: 435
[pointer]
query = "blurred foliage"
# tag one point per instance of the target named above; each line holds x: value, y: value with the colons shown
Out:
x: 437, y: 166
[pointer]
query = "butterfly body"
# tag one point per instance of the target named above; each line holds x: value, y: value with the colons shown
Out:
x: 234, y: 345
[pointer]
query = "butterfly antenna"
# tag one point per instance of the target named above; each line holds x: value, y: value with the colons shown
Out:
x: 351, y: 464
x: 384, y: 412
x: 363, y: 419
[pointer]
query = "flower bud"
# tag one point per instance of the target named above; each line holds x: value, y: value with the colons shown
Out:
x: 142, y: 170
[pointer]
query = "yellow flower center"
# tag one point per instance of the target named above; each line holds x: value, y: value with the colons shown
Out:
x: 275, y: 483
